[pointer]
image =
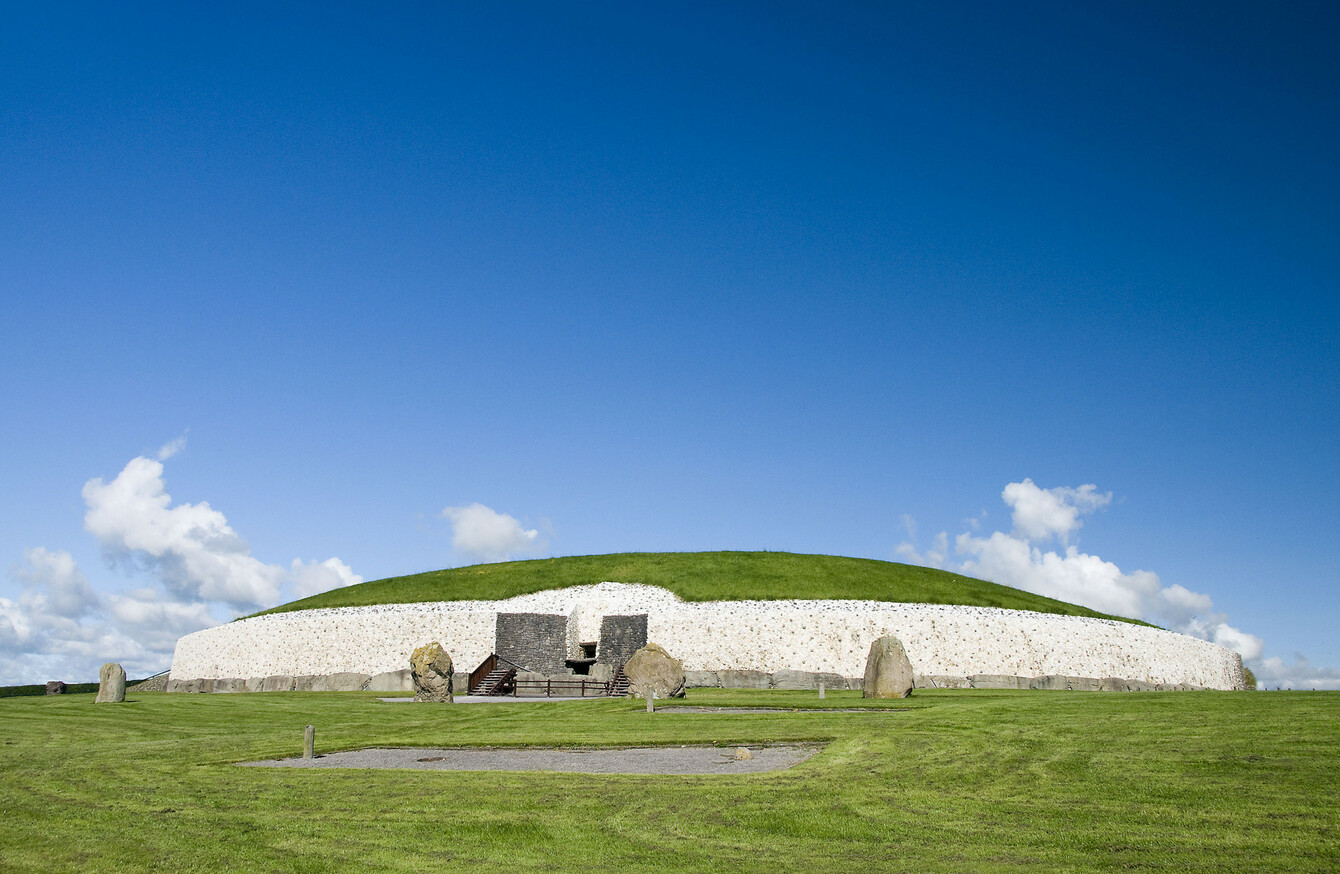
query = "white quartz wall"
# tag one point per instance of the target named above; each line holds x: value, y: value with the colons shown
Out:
x: 769, y: 636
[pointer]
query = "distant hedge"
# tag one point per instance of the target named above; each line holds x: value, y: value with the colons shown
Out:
x: 41, y: 689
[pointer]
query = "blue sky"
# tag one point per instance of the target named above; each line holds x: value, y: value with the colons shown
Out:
x: 285, y: 284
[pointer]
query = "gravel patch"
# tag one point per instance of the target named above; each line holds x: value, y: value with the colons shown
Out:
x: 641, y: 760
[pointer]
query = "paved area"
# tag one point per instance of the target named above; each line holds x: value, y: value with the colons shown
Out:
x: 689, y: 709
x: 494, y: 699
x: 642, y: 760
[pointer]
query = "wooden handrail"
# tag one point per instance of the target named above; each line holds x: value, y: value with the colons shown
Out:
x: 550, y: 686
x: 478, y: 674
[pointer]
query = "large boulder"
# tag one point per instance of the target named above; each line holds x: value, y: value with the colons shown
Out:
x: 431, y: 667
x: 653, y: 670
x: 55, y: 687
x: 888, y: 672
x: 111, y: 684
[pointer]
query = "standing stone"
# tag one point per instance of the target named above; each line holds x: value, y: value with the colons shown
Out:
x: 652, y: 670
x: 888, y: 673
x: 431, y: 667
x: 55, y: 687
x: 111, y: 684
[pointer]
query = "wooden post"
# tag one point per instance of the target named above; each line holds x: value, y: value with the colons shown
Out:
x: 309, y: 742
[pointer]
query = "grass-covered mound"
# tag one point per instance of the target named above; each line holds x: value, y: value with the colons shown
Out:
x: 699, y: 576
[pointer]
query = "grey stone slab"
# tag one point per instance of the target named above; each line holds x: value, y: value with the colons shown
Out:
x: 278, y: 683
x: 344, y: 681
x: 807, y: 680
x: 937, y: 681
x: 393, y: 681
x: 744, y: 679
x: 702, y: 680
x: 1062, y: 682
x: 999, y: 681
x: 793, y: 680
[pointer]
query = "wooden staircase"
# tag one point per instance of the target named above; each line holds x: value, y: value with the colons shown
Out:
x: 492, y: 677
x: 499, y: 681
x: 618, y: 686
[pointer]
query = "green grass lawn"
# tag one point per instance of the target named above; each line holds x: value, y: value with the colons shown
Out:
x: 699, y: 576
x: 943, y: 781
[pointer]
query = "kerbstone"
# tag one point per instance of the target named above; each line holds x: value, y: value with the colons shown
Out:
x: 1069, y: 684
x: 998, y: 681
x: 888, y: 671
x: 744, y: 679
x: 938, y: 681
x: 702, y: 680
x: 344, y: 681
x: 392, y: 681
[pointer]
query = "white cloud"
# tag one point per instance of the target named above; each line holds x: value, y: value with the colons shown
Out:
x: 1040, y: 514
x: 1274, y: 673
x: 56, y: 574
x: 56, y: 628
x: 156, y: 621
x: 60, y: 627
x: 167, y: 450
x: 933, y: 557
x: 1015, y: 559
x: 481, y: 533
x: 1249, y: 645
x: 1070, y: 576
x: 313, y: 578
x: 192, y: 547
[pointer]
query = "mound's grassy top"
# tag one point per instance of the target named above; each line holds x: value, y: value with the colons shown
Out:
x: 699, y: 576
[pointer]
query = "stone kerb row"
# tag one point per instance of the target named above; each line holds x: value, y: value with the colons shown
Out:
x: 951, y: 643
